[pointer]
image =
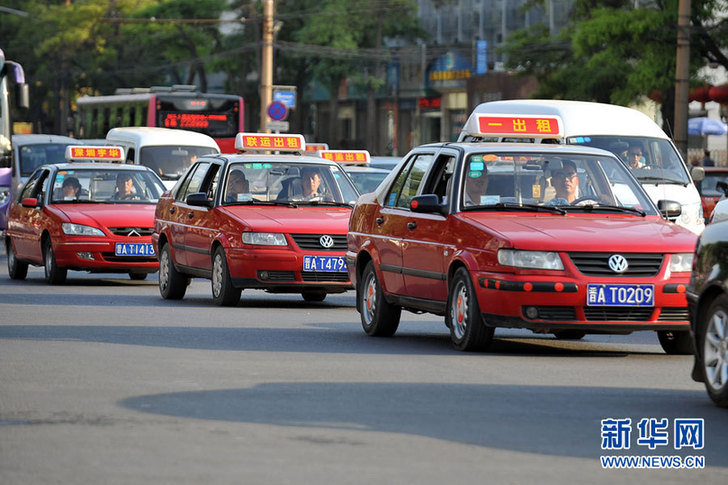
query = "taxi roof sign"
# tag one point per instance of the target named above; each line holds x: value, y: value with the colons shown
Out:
x: 95, y: 153
x: 532, y: 126
x: 267, y: 141
x: 316, y: 147
x: 345, y: 156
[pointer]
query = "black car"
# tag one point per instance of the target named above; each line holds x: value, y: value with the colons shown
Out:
x: 707, y: 297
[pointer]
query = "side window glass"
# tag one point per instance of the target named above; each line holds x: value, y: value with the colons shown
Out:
x: 414, y: 180
x: 30, y: 187
x: 213, y: 180
x: 194, y: 180
x: 439, y: 180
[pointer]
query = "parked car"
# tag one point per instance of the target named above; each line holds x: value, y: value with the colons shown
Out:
x: 485, y: 235
x: 254, y: 220
x: 75, y: 216
x: 713, y: 188
x: 708, y: 304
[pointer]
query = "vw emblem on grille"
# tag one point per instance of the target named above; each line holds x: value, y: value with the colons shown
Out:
x: 326, y: 241
x: 133, y: 233
x: 618, y: 263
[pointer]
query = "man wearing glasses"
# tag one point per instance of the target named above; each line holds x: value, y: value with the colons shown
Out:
x: 566, y: 182
x: 634, y: 157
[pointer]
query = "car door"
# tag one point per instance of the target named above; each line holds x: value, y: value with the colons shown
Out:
x: 178, y: 212
x: 391, y: 221
x: 424, y: 247
x: 201, y: 227
x: 26, y: 224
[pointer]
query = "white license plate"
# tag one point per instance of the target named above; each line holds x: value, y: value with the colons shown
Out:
x: 324, y: 263
x: 620, y: 295
x: 134, y: 249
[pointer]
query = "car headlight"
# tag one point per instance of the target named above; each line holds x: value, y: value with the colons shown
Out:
x: 4, y: 194
x: 681, y: 262
x: 81, y: 230
x: 530, y: 259
x: 265, y: 238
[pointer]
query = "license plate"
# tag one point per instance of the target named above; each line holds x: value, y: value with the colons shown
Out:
x: 134, y: 249
x: 620, y: 295
x: 324, y: 263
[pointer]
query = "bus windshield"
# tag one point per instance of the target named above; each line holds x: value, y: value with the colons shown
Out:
x: 171, y: 162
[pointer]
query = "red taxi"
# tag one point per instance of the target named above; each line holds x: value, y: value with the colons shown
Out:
x: 556, y: 239
x: 94, y: 217
x: 713, y: 188
x: 272, y: 221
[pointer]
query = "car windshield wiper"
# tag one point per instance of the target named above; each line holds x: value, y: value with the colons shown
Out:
x: 279, y: 203
x: 515, y: 206
x: 610, y: 208
x: 80, y: 201
x: 328, y: 202
x: 652, y: 178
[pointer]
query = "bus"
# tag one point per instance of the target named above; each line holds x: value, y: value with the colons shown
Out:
x: 180, y: 106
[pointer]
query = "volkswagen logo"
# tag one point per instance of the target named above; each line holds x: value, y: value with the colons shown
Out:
x: 326, y: 241
x: 618, y: 263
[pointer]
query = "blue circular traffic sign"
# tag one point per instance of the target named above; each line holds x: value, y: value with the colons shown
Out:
x: 277, y: 111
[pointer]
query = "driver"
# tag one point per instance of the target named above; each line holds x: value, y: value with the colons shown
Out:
x: 566, y: 182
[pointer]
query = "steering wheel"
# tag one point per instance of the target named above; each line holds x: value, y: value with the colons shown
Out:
x: 581, y: 200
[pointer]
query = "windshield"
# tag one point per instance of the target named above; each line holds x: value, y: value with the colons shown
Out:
x: 287, y: 182
x: 106, y: 186
x: 652, y: 160
x: 33, y: 156
x: 171, y: 162
x: 551, y: 180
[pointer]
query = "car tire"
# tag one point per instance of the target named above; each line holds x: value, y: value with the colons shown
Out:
x: 137, y: 276
x: 468, y: 331
x: 569, y: 334
x: 16, y: 269
x: 314, y: 295
x: 53, y: 274
x: 379, y: 318
x: 223, y: 291
x: 711, y: 337
x: 172, y: 283
x: 676, y: 343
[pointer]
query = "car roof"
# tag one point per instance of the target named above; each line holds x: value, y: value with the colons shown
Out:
x: 260, y: 157
x: 716, y: 169
x: 155, y: 136
x: 42, y: 139
x: 525, y: 148
x: 364, y: 168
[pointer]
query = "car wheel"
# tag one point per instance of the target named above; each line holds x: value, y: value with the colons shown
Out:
x: 16, y: 269
x: 53, y: 274
x: 137, y: 276
x: 569, y: 334
x: 711, y: 335
x: 468, y: 331
x: 379, y: 318
x: 223, y: 291
x: 172, y: 283
x: 314, y: 295
x: 675, y: 343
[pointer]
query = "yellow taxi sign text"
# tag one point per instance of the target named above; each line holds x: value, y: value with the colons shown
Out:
x: 345, y: 156
x: 267, y: 141
x: 95, y: 152
x: 520, y: 125
x: 316, y: 147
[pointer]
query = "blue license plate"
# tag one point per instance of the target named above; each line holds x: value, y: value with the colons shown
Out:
x: 620, y: 295
x: 134, y: 249
x: 324, y: 263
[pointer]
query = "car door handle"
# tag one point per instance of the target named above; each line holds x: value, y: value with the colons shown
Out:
x: 379, y: 221
x: 172, y: 210
x: 412, y: 226
x: 190, y: 215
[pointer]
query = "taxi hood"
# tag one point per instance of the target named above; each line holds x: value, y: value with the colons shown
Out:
x: 582, y: 232
x: 301, y: 219
x: 109, y: 215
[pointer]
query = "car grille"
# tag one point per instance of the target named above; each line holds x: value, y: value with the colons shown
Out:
x: 322, y: 276
x: 603, y: 314
x: 124, y: 231
x: 596, y: 264
x: 311, y: 242
x: 674, y: 315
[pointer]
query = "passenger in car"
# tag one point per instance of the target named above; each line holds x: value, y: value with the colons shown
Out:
x: 476, y: 186
x: 566, y: 183
x: 238, y: 187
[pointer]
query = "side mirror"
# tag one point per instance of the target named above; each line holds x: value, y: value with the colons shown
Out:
x: 23, y: 96
x: 698, y: 174
x: 428, y: 203
x: 669, y: 209
x: 199, y: 199
x: 29, y: 202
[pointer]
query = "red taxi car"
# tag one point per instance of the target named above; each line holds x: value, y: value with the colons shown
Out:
x: 555, y: 239
x: 256, y: 220
x: 94, y: 217
x: 713, y: 188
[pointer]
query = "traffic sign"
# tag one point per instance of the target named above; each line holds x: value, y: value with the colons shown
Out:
x: 277, y: 126
x: 286, y: 97
x: 277, y: 111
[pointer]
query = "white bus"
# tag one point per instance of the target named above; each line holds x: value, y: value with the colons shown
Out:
x: 661, y: 170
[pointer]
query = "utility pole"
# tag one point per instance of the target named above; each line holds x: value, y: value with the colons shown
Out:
x: 266, y: 68
x: 682, y: 78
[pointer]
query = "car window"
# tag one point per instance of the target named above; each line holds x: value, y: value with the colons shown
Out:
x: 34, y: 186
x: 194, y: 181
x: 33, y: 156
x: 105, y: 185
x: 409, y: 180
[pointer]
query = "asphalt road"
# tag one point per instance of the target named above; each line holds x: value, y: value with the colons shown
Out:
x: 101, y: 381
